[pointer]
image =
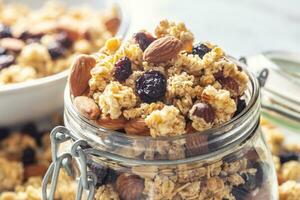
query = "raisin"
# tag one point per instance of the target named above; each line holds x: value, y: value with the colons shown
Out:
x: 2, y: 51
x: 56, y: 50
x: 229, y: 84
x: 204, y: 111
x: 250, y: 182
x: 100, y: 171
x: 239, y: 193
x: 4, y: 133
x: 151, y: 86
x: 31, y: 130
x: 6, y: 61
x: 143, y: 39
x: 122, y: 69
x: 288, y: 156
x: 64, y: 39
x: 5, y: 31
x: 241, y: 105
x: 111, y: 176
x: 28, y: 37
x: 28, y: 156
x: 200, y: 50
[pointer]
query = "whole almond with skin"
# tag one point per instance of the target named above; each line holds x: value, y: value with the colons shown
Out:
x: 130, y: 187
x: 112, y: 124
x: 137, y: 127
x: 87, y: 107
x: 80, y: 74
x: 162, y: 49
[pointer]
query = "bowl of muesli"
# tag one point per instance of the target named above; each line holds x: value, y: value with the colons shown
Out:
x: 38, y: 41
x: 162, y: 117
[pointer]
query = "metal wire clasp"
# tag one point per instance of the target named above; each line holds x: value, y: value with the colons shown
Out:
x: 87, y: 180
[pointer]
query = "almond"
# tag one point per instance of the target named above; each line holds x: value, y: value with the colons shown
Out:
x: 163, y: 49
x: 112, y: 25
x: 137, y: 127
x: 80, y: 74
x: 87, y: 107
x: 12, y: 44
x: 113, y: 124
x: 130, y: 187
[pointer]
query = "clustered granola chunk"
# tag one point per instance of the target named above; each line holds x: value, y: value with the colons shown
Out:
x: 42, y: 42
x: 162, y: 80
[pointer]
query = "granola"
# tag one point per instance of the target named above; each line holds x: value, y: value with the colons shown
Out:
x: 161, y: 78
x: 42, y: 42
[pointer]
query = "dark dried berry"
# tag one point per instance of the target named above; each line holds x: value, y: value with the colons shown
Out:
x: 28, y: 156
x: 151, y: 86
x: 196, y: 144
x: 100, y: 171
x: 239, y: 193
x: 5, y: 31
x: 4, y: 133
x: 218, y: 75
x: 261, y: 174
x: 28, y: 37
x: 229, y: 84
x: 111, y: 176
x: 241, y: 105
x: 250, y: 182
x: 123, y: 69
x: 6, y: 61
x: 205, y: 111
x: 288, y: 156
x: 143, y: 39
x: 56, y: 50
x: 200, y: 50
x: 2, y: 51
x: 31, y: 130
x: 64, y: 39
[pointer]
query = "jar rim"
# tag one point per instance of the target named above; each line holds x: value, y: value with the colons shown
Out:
x: 224, y: 131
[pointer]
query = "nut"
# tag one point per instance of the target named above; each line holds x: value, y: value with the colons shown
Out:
x: 87, y: 107
x: 112, y: 124
x: 80, y: 74
x: 130, y: 187
x: 230, y: 84
x: 205, y: 111
x: 162, y: 49
x: 196, y: 144
x: 35, y: 170
x: 137, y: 127
x: 112, y: 25
x: 12, y: 44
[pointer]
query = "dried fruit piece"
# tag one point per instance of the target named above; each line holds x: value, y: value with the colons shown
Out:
x: 112, y: 124
x: 5, y: 31
x: 196, y: 144
x: 111, y: 176
x: 205, y: 111
x: 241, y: 105
x: 162, y: 49
x: 288, y: 156
x: 56, y: 50
x: 151, y: 86
x: 122, y: 69
x: 87, y: 107
x: 130, y: 187
x: 29, y: 37
x: 6, y: 61
x: 229, y: 84
x: 28, y: 156
x: 144, y: 39
x: 99, y: 170
x: 12, y: 44
x: 80, y: 74
x: 137, y: 127
x: 63, y: 39
x: 200, y: 50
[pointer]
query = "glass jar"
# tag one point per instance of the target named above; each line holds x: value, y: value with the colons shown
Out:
x: 227, y: 162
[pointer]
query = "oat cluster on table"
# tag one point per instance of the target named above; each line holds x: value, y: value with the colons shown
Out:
x: 42, y: 42
x: 165, y: 81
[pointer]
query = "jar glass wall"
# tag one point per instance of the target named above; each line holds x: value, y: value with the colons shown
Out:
x: 228, y: 162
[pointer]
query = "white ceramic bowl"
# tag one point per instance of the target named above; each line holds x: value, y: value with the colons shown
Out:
x: 30, y: 101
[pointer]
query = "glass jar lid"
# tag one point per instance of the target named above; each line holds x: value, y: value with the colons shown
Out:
x: 281, y: 87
